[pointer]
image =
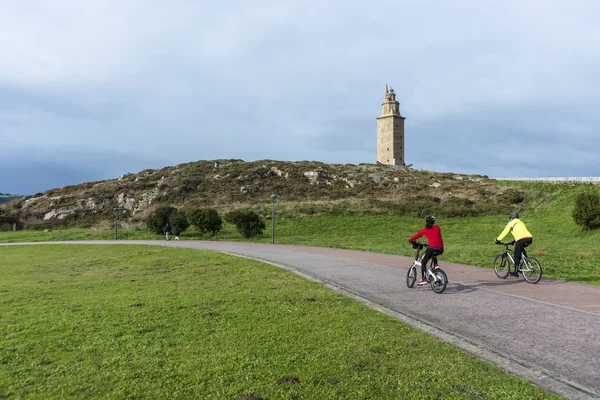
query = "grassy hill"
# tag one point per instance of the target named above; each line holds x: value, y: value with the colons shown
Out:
x: 364, y: 207
x: 308, y: 188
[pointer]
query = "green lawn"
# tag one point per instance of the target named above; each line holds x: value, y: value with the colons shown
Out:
x: 120, y: 322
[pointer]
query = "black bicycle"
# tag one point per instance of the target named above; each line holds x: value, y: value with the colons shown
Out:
x: 529, y: 267
x: 435, y: 276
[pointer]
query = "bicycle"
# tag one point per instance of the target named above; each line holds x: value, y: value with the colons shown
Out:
x: 530, y: 268
x: 435, y: 276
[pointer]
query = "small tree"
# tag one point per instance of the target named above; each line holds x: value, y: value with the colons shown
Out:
x: 586, y: 212
x: 206, y: 220
x: 158, y: 220
x: 248, y: 223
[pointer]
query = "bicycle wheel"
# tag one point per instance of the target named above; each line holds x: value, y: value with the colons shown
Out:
x: 531, y: 270
x: 411, y: 276
x: 439, y: 284
x: 501, y: 265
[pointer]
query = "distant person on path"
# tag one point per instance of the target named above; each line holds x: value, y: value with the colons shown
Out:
x: 523, y: 238
x: 435, y: 244
x: 168, y: 230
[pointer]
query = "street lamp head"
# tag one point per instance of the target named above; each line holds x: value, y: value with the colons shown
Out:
x: 273, y: 196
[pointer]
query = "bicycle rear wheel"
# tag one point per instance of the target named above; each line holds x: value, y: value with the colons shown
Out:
x: 501, y: 266
x: 439, y: 284
x: 531, y: 270
x: 411, y: 276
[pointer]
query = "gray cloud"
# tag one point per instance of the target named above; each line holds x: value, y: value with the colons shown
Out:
x: 61, y: 105
x: 62, y: 168
x: 501, y: 88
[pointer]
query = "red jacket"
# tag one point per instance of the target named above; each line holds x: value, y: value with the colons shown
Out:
x: 433, y: 234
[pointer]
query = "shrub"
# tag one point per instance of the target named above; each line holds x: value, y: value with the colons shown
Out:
x: 233, y: 217
x: 157, y: 221
x: 586, y: 211
x: 206, y: 220
x: 179, y: 223
x: 8, y: 221
x: 512, y: 196
x: 248, y: 223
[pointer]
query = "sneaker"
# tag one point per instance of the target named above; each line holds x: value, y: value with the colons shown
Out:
x: 422, y: 282
x: 515, y: 274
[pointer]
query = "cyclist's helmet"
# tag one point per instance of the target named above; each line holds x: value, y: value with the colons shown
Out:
x: 429, y: 220
x: 514, y: 215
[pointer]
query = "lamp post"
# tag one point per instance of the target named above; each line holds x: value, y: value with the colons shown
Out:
x: 273, y: 198
x: 115, y: 212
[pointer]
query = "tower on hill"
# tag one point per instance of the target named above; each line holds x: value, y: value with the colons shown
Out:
x: 390, y: 131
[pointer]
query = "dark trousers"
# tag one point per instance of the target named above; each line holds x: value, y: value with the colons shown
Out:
x: 520, y: 248
x: 430, y: 252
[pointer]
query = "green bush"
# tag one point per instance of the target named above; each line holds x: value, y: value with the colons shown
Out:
x: 248, y: 223
x: 207, y: 220
x: 586, y: 211
x: 233, y: 217
x: 8, y: 221
x: 179, y: 223
x: 512, y: 196
x: 158, y: 220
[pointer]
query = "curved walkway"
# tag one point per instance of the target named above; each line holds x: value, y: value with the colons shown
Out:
x: 546, y: 333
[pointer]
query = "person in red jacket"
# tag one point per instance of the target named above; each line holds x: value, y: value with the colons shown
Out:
x: 435, y: 247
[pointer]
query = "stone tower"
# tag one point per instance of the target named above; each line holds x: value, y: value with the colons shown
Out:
x: 390, y: 131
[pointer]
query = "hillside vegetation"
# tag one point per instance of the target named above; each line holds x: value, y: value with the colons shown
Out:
x: 310, y: 187
x: 377, y: 209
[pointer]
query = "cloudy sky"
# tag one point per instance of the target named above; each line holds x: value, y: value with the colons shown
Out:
x: 94, y: 89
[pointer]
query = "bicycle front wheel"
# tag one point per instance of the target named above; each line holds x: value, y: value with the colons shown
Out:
x: 501, y: 266
x: 411, y: 276
x: 531, y: 270
x: 440, y: 282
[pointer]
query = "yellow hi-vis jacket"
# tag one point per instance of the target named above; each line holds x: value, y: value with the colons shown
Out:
x: 517, y: 228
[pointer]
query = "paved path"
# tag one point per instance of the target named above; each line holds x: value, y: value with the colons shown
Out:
x: 548, y: 333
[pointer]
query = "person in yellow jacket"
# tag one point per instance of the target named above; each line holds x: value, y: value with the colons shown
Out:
x: 523, y: 238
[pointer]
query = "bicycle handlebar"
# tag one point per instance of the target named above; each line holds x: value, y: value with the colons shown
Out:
x: 417, y: 245
x: 511, y: 243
